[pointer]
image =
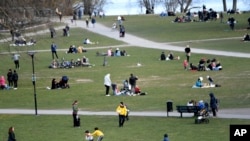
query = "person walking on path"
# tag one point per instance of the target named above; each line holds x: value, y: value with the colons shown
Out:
x: 75, y: 113
x: 53, y: 50
x: 132, y: 82
x: 98, y: 133
x: 10, y: 78
x: 213, y: 104
x: 15, y: 79
x: 188, y: 53
x: 16, y: 60
x: 122, y: 112
x: 93, y: 21
x: 87, y: 22
x: 11, y: 134
x: 107, y: 83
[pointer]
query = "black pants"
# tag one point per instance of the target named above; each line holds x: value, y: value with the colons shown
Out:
x: 214, y: 111
x: 15, y: 83
x: 107, y: 89
x: 187, y: 58
x: 10, y: 82
x: 75, y: 120
x: 16, y: 64
x: 121, y: 120
x: 54, y: 52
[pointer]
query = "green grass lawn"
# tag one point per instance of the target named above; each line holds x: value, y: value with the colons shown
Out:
x: 162, y: 80
x: 44, y: 127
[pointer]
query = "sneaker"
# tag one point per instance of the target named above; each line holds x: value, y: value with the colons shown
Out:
x: 107, y: 95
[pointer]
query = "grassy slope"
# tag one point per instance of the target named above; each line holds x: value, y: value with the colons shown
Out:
x: 162, y: 80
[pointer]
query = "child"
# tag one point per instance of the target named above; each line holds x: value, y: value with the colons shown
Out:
x: 185, y: 64
x: 98, y: 133
x: 88, y: 136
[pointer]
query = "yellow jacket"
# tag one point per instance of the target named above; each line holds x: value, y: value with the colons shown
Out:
x: 97, y: 133
x: 121, y: 110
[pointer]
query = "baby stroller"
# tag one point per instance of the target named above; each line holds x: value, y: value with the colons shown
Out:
x: 202, y: 116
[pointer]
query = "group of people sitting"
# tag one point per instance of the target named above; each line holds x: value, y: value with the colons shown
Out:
x: 21, y: 41
x: 83, y: 62
x: 207, y: 65
x: 200, y: 84
x: 62, y: 84
x: 110, y: 52
x: 73, y: 49
x: 170, y: 56
x: 126, y: 90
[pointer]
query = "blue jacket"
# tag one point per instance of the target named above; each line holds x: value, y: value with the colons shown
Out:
x: 53, y: 47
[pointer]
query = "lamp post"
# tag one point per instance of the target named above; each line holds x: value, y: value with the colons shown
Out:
x: 32, y: 53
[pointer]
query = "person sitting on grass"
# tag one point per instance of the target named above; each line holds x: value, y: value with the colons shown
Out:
x: 199, y: 83
x: 85, y: 61
x: 171, y: 56
x: 246, y: 37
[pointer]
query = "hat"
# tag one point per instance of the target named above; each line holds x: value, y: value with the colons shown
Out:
x: 201, y: 78
x: 117, y: 48
x: 207, y: 76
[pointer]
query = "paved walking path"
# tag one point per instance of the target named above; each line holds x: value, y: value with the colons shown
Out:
x: 243, y: 113
x: 131, y: 40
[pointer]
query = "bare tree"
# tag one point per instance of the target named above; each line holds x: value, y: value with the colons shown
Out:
x: 149, y: 5
x: 91, y: 5
x: 182, y: 3
x: 171, y: 5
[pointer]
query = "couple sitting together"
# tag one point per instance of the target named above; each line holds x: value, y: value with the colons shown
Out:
x: 170, y: 56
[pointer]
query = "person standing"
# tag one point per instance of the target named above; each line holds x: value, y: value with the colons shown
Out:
x: 93, y: 21
x: 98, y: 133
x: 87, y: 22
x: 53, y: 50
x: 10, y: 78
x: 122, y: 112
x: 75, y: 113
x: 132, y: 82
x: 107, y: 83
x: 11, y: 133
x: 165, y: 137
x: 16, y: 60
x: 221, y: 17
x: 213, y: 104
x: 231, y: 22
x: 188, y: 52
x: 15, y: 79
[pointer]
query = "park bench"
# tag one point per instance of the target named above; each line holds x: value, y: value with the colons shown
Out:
x: 188, y: 109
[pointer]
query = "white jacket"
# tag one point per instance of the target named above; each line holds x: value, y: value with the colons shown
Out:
x: 107, y: 80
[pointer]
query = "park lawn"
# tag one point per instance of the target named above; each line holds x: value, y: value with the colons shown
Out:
x: 163, y: 30
x: 163, y: 80
x: 59, y: 127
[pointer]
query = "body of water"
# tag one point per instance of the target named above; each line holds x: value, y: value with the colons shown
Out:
x: 132, y: 7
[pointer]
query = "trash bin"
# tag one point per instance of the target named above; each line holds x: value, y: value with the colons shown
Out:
x: 169, y: 105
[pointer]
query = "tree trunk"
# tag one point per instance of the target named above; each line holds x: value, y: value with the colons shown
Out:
x: 234, y: 5
x: 224, y: 5
x: 187, y: 6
